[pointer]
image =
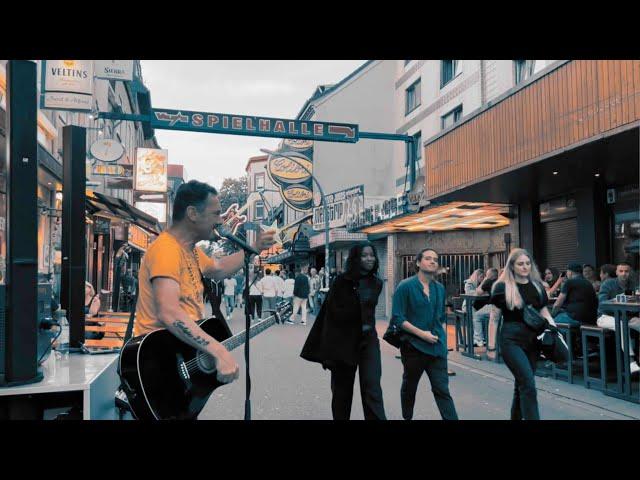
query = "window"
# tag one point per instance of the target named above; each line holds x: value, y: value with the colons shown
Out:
x: 448, y: 71
x: 259, y: 181
x: 523, y: 69
x: 452, y: 117
x: 259, y: 210
x: 413, y: 97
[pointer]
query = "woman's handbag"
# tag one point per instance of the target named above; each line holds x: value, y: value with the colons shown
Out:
x: 393, y: 335
x: 534, y: 320
x: 553, y: 347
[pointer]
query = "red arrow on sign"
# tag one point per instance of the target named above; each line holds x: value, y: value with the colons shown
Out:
x: 342, y: 130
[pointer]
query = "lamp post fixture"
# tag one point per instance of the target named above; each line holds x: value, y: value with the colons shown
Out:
x: 324, y: 207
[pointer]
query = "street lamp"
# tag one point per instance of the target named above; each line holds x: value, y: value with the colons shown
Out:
x: 324, y: 208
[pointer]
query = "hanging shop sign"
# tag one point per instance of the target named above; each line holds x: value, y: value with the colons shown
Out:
x: 114, y: 69
x: 151, y: 170
x: 67, y: 85
x: 156, y: 210
x: 254, y: 126
x: 417, y: 197
x: 291, y: 172
x: 107, y: 150
x: 138, y: 237
x: 111, y: 170
x: 101, y: 226
x: 341, y: 205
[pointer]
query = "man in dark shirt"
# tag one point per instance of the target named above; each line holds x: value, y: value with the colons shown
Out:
x: 301, y: 289
x: 577, y: 303
x: 418, y: 309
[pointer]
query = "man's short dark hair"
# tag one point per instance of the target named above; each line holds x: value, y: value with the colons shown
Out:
x: 194, y: 194
x: 419, y: 255
x: 575, y: 268
x: 609, y: 269
x: 626, y: 265
x: 268, y: 271
x: 588, y: 265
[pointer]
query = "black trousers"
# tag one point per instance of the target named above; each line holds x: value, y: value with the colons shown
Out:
x: 370, y: 371
x: 255, y: 302
x: 518, y: 345
x: 415, y: 363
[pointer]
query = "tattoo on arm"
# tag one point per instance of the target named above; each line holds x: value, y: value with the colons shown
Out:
x: 184, y: 329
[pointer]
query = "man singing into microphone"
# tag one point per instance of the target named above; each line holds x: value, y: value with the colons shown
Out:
x: 170, y: 278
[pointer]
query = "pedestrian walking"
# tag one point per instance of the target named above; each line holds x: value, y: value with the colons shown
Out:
x: 229, y: 295
x: 280, y: 284
x: 287, y: 295
x: 270, y: 288
x: 300, y: 296
x: 520, y: 285
x: 419, y: 311
x: 344, y: 339
x: 255, y: 296
x: 314, y: 287
x: 240, y: 288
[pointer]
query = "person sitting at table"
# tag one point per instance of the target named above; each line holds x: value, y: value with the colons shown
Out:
x: 589, y: 273
x: 607, y: 271
x: 608, y: 291
x: 577, y: 303
x: 552, y: 281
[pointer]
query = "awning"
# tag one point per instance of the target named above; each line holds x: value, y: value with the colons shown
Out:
x: 337, y: 236
x: 445, y: 217
x: 100, y: 203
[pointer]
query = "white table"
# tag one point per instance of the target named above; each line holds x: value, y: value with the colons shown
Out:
x: 93, y: 377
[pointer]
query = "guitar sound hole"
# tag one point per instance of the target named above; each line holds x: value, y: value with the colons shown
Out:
x: 206, y: 363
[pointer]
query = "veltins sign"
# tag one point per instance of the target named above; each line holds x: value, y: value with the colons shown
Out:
x: 293, y: 175
x: 114, y: 69
x: 67, y: 85
x: 341, y: 207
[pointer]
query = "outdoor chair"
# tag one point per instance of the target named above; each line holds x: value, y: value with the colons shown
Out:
x: 592, y: 331
x: 557, y: 372
x: 458, y: 314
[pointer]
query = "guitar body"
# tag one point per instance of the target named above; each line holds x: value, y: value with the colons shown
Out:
x: 152, y: 368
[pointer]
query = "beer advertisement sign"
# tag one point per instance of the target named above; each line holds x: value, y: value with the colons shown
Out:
x: 67, y: 85
x: 151, y: 170
x: 291, y: 171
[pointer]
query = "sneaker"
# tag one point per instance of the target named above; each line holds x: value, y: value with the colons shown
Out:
x: 303, y: 323
x: 634, y: 367
x: 451, y: 373
x: 288, y: 322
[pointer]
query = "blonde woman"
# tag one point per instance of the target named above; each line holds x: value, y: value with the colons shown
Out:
x: 520, y: 285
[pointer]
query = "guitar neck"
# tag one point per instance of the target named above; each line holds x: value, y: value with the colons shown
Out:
x: 239, y: 338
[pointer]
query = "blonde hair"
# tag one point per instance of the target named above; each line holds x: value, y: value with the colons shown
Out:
x: 93, y: 290
x: 512, y: 294
x: 474, y: 276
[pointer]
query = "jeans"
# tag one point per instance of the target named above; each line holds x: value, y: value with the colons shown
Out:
x: 564, y: 317
x: 518, y: 345
x: 480, y: 317
x: 370, y: 371
x: 255, y: 303
x: 415, y: 363
x: 268, y: 306
x: 230, y: 303
x: 312, y: 303
x: 297, y: 304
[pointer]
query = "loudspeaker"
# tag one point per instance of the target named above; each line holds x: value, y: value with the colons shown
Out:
x: 611, y: 196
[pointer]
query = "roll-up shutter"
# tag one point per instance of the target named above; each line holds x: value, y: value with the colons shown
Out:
x: 560, y: 243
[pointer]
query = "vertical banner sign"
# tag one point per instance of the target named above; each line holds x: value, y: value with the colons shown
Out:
x: 67, y: 85
x: 114, y: 69
x: 151, y: 170
x: 294, y: 181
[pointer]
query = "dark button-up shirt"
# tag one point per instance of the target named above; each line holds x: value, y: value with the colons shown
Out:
x: 426, y: 313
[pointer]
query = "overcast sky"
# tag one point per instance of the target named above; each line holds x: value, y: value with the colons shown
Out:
x: 273, y: 88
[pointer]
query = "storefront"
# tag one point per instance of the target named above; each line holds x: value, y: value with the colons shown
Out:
x: 562, y: 149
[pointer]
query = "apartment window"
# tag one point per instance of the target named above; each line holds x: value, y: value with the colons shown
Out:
x: 413, y: 97
x: 452, y: 117
x: 258, y: 210
x: 259, y: 179
x: 523, y: 69
x: 448, y: 71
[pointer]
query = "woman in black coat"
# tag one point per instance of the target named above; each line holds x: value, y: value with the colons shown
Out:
x: 343, y: 337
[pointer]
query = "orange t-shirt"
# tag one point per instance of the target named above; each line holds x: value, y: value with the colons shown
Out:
x: 167, y: 258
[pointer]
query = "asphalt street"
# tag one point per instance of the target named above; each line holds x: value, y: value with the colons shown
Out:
x: 286, y: 387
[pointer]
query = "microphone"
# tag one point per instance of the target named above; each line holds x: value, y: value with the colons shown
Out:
x: 222, y: 231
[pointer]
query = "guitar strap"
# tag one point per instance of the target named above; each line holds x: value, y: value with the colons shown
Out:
x: 132, y: 316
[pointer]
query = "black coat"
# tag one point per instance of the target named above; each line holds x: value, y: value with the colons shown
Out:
x: 337, y: 330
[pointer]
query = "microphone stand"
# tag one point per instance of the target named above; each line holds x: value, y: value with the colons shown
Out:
x: 247, y: 317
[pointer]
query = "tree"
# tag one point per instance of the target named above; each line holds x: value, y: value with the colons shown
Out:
x: 233, y: 190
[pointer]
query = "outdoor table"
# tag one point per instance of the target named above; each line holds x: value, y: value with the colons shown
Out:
x: 469, y: 350
x: 621, y: 312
